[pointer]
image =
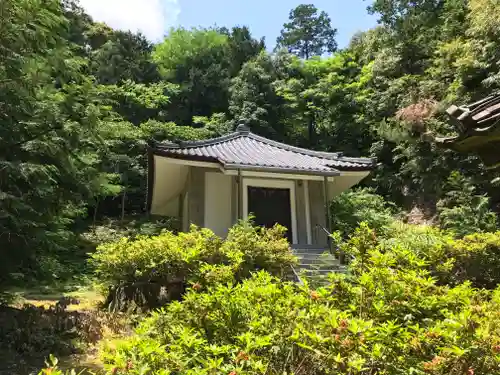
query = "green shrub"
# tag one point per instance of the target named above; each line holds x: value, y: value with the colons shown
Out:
x: 197, y: 257
x: 258, y: 248
x: 385, y: 323
x: 477, y: 259
x: 462, y: 211
x: 352, y: 207
x: 469, y: 218
x: 390, y: 271
x: 113, y: 230
x: 388, y: 316
x: 53, y: 369
x: 154, y: 258
x: 474, y: 258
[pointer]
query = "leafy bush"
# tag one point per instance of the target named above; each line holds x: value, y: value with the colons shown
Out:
x: 262, y: 325
x: 114, y: 230
x: 53, y: 369
x: 477, y: 259
x: 464, y: 212
x: 388, y: 316
x: 352, y: 207
x: 474, y: 258
x: 473, y: 217
x: 197, y: 257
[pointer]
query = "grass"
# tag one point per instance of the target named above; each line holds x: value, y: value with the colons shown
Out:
x: 49, y: 294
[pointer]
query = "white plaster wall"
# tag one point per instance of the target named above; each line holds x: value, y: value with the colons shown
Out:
x: 170, y: 181
x: 185, y: 215
x: 218, y: 194
x: 344, y: 182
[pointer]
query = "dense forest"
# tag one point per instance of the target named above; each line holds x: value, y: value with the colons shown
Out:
x: 80, y: 101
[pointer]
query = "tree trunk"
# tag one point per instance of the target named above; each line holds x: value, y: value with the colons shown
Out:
x: 95, y: 212
x: 310, y: 130
x: 143, y: 296
x: 123, y: 202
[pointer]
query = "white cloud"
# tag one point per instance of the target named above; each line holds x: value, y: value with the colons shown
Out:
x: 151, y: 17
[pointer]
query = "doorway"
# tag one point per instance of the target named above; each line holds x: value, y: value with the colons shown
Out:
x: 271, y: 202
x: 271, y: 206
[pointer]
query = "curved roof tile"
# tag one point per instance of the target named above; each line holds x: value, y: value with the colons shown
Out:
x: 243, y: 149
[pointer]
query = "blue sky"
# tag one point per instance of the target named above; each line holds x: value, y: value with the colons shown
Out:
x: 264, y: 17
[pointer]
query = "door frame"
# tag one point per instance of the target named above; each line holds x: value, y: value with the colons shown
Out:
x: 277, y: 184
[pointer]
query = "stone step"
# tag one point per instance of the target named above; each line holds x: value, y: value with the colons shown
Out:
x: 315, y: 264
x: 307, y: 258
x: 308, y: 255
x: 311, y: 249
x: 326, y: 257
x: 314, y: 277
x: 320, y: 278
x: 311, y: 255
x: 316, y: 272
x: 318, y: 262
x: 305, y: 246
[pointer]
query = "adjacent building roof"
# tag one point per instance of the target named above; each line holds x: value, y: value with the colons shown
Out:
x: 478, y: 126
x: 245, y: 150
x: 477, y: 116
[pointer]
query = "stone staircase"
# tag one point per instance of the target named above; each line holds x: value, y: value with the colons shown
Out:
x: 315, y: 264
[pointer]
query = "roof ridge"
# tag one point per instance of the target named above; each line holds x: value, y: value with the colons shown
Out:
x: 240, y: 131
x: 355, y: 159
x: 202, y: 142
x: 299, y: 150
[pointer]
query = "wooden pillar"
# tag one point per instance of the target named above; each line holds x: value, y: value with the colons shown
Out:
x: 327, y: 205
x: 307, y: 207
x: 187, y: 211
x: 240, y: 195
x: 340, y: 254
x: 328, y: 222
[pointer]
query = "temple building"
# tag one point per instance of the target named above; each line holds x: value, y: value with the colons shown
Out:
x: 214, y: 183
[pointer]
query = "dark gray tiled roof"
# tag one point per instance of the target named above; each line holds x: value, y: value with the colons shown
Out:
x: 478, y: 126
x: 245, y: 150
x: 477, y: 116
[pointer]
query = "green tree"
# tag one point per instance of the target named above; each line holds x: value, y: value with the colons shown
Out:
x: 78, y: 24
x: 308, y: 33
x: 463, y: 211
x: 123, y: 56
x: 418, y: 26
x: 138, y: 102
x: 114, y: 56
x: 202, y: 62
x: 241, y: 47
x: 351, y: 208
x: 48, y: 135
x: 323, y: 104
x: 254, y: 99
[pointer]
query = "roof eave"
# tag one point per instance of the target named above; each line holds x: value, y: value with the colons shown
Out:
x: 169, y: 153
x: 336, y: 170
x: 308, y: 172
